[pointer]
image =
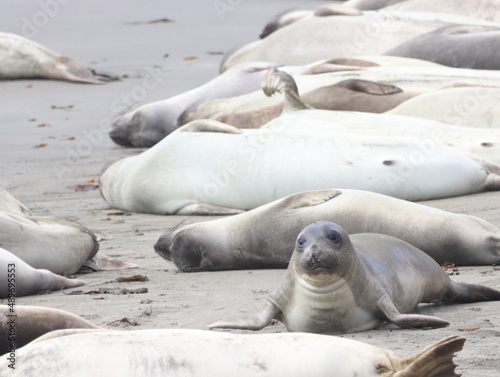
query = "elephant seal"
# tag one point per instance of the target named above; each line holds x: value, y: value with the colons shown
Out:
x: 485, y: 9
x: 346, y: 95
x: 32, y: 322
x: 58, y: 245
x: 409, y: 75
x: 462, y: 46
x: 28, y: 280
x: 286, y: 18
x: 25, y: 59
x: 465, y: 106
x: 264, y: 237
x: 338, y: 284
x: 160, y: 352
x: 318, y: 38
x: 148, y: 124
x: 175, y: 177
x: 302, y: 138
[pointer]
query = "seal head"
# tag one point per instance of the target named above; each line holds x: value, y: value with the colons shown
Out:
x: 322, y: 247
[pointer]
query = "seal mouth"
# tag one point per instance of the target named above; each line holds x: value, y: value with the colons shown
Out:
x: 316, y: 269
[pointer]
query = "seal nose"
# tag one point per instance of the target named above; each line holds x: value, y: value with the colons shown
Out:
x: 314, y: 254
x: 162, y: 246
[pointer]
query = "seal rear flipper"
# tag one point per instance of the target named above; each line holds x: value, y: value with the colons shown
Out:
x: 434, y: 361
x: 209, y: 125
x: 392, y: 314
x: 205, y: 209
x: 262, y: 319
x: 70, y: 69
x: 463, y: 292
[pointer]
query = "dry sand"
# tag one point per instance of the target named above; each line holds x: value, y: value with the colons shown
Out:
x: 100, y: 33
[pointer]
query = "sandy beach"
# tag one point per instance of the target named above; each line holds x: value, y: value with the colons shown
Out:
x: 54, y: 144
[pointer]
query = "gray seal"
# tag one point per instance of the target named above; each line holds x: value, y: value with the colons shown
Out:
x: 264, y: 237
x: 460, y: 46
x: 338, y: 284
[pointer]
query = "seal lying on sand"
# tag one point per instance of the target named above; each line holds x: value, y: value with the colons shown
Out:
x: 464, y: 46
x: 338, y: 284
x: 58, y: 245
x: 161, y: 352
x: 264, y: 237
x: 347, y: 95
x: 22, y: 58
x: 148, y: 124
x: 319, y: 38
x: 34, y: 321
x: 416, y: 80
x: 21, y: 279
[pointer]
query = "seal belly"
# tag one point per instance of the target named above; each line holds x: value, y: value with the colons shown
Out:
x: 327, y: 310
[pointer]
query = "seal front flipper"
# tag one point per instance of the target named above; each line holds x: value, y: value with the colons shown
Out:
x: 276, y: 81
x: 205, y: 209
x: 369, y: 87
x: 309, y: 198
x: 209, y: 125
x: 262, y: 319
x: 392, y: 314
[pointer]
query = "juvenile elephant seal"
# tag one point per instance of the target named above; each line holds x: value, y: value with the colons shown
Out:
x: 317, y: 38
x: 465, y: 106
x: 264, y: 237
x: 21, y: 279
x: 22, y: 58
x: 287, y: 18
x: 148, y: 124
x: 180, y: 352
x: 58, y: 245
x: 463, y: 46
x: 338, y: 284
x: 347, y: 95
x: 32, y: 322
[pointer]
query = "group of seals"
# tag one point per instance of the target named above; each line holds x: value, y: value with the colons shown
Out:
x: 264, y: 237
x: 346, y: 95
x: 480, y: 143
x: 463, y: 104
x: 289, y: 154
x: 328, y: 37
x: 148, y: 124
x: 337, y: 283
x: 160, y: 352
x: 23, y: 58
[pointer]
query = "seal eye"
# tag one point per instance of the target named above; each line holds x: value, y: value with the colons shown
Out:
x: 300, y: 242
x: 334, y: 237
